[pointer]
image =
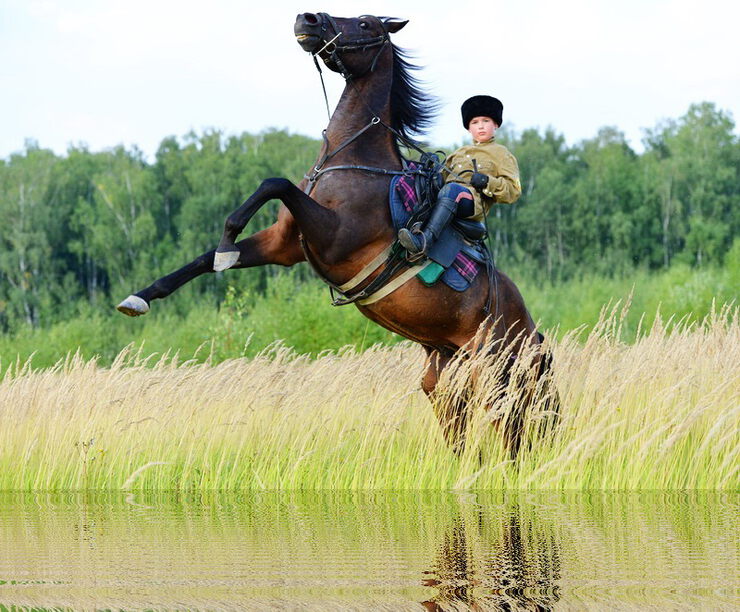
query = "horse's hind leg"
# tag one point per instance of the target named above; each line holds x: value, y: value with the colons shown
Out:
x: 547, y: 389
x: 534, y: 388
x: 278, y: 244
x: 452, y: 412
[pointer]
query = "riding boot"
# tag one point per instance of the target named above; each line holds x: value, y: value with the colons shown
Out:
x: 417, y: 240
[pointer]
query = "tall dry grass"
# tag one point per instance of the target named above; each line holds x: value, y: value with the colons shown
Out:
x: 662, y: 412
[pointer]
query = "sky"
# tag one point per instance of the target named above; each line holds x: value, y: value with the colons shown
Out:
x: 103, y: 73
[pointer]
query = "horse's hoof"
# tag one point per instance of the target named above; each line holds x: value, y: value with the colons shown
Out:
x: 223, y: 260
x: 133, y: 306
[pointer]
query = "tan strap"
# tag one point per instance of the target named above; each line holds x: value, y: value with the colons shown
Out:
x: 394, y: 284
x: 366, y: 271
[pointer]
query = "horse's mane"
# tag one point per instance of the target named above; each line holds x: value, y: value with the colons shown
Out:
x: 412, y: 109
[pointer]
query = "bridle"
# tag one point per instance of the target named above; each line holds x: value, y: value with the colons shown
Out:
x: 334, y: 48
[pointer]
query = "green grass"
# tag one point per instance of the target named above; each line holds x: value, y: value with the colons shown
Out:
x: 679, y: 293
x: 300, y: 314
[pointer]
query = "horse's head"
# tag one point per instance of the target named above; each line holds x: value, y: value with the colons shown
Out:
x: 350, y: 46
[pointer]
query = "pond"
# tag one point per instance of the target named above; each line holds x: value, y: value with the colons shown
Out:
x: 394, y: 550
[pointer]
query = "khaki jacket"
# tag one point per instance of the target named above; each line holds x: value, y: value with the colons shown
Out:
x: 496, y: 162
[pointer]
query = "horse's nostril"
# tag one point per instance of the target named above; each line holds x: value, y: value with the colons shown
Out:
x: 310, y: 18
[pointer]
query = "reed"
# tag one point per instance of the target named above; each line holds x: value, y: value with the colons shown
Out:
x: 659, y: 413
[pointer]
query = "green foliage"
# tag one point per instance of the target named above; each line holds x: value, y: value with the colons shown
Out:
x: 28, y: 237
x: 298, y: 313
x: 680, y: 292
x: 600, y: 207
x: 81, y: 231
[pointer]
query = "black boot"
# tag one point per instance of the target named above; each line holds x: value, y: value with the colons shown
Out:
x: 417, y: 241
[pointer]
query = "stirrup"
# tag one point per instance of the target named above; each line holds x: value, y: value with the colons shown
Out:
x: 411, y: 246
x: 414, y: 257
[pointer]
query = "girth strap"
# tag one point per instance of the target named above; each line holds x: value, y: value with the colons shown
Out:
x: 381, y: 286
x: 366, y: 271
x: 394, y: 284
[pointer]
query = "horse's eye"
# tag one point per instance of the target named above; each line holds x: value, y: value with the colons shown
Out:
x: 363, y: 25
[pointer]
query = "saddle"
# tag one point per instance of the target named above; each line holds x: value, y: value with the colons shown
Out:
x: 459, y: 254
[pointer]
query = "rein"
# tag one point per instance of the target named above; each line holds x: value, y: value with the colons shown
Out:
x: 333, y: 48
x: 391, y: 257
x: 319, y: 170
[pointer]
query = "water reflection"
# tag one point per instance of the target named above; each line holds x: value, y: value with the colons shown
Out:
x: 380, y: 550
x: 509, y: 572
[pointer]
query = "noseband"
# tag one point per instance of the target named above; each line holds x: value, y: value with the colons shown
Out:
x: 333, y: 48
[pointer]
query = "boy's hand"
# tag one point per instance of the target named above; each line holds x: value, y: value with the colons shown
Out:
x: 478, y: 180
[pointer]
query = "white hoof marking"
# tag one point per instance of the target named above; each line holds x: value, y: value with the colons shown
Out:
x: 223, y: 261
x: 133, y: 306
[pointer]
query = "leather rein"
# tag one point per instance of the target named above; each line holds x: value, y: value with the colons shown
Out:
x: 332, y: 47
x: 391, y: 257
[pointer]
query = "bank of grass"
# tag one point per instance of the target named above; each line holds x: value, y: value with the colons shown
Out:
x: 300, y: 314
x: 661, y: 412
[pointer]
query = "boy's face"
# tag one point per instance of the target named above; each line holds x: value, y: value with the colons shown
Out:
x: 482, y: 128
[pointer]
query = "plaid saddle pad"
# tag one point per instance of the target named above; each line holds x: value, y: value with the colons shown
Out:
x: 466, y: 266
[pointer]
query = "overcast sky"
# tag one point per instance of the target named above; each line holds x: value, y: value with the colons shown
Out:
x: 133, y: 72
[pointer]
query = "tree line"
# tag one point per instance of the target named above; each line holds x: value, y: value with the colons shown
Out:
x: 93, y: 226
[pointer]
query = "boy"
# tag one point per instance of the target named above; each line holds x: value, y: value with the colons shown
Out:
x: 495, y: 176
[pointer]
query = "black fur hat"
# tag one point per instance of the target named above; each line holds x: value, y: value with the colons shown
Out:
x: 482, y: 106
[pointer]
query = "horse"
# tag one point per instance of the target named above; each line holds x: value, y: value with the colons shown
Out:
x: 337, y: 218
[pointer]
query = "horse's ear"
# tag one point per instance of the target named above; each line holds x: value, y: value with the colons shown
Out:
x: 393, y: 24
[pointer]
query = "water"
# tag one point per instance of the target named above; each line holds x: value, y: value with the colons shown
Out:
x: 378, y: 550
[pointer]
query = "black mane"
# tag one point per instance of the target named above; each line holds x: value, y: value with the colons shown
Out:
x: 412, y: 110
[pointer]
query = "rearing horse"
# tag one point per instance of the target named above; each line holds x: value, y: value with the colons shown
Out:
x: 339, y: 219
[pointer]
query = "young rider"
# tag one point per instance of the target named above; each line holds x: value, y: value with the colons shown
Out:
x: 476, y: 176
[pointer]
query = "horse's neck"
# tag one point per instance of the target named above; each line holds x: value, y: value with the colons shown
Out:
x: 360, y: 102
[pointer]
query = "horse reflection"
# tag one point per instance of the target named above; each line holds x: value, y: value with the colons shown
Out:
x: 497, y: 566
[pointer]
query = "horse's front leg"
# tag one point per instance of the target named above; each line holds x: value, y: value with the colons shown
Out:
x: 317, y: 223
x: 278, y: 244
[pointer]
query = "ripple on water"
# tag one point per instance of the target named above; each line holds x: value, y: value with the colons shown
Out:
x: 381, y: 550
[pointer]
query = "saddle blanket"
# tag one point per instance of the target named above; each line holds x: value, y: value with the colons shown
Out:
x: 467, y: 264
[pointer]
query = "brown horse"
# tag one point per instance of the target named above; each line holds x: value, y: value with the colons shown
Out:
x: 338, y: 217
